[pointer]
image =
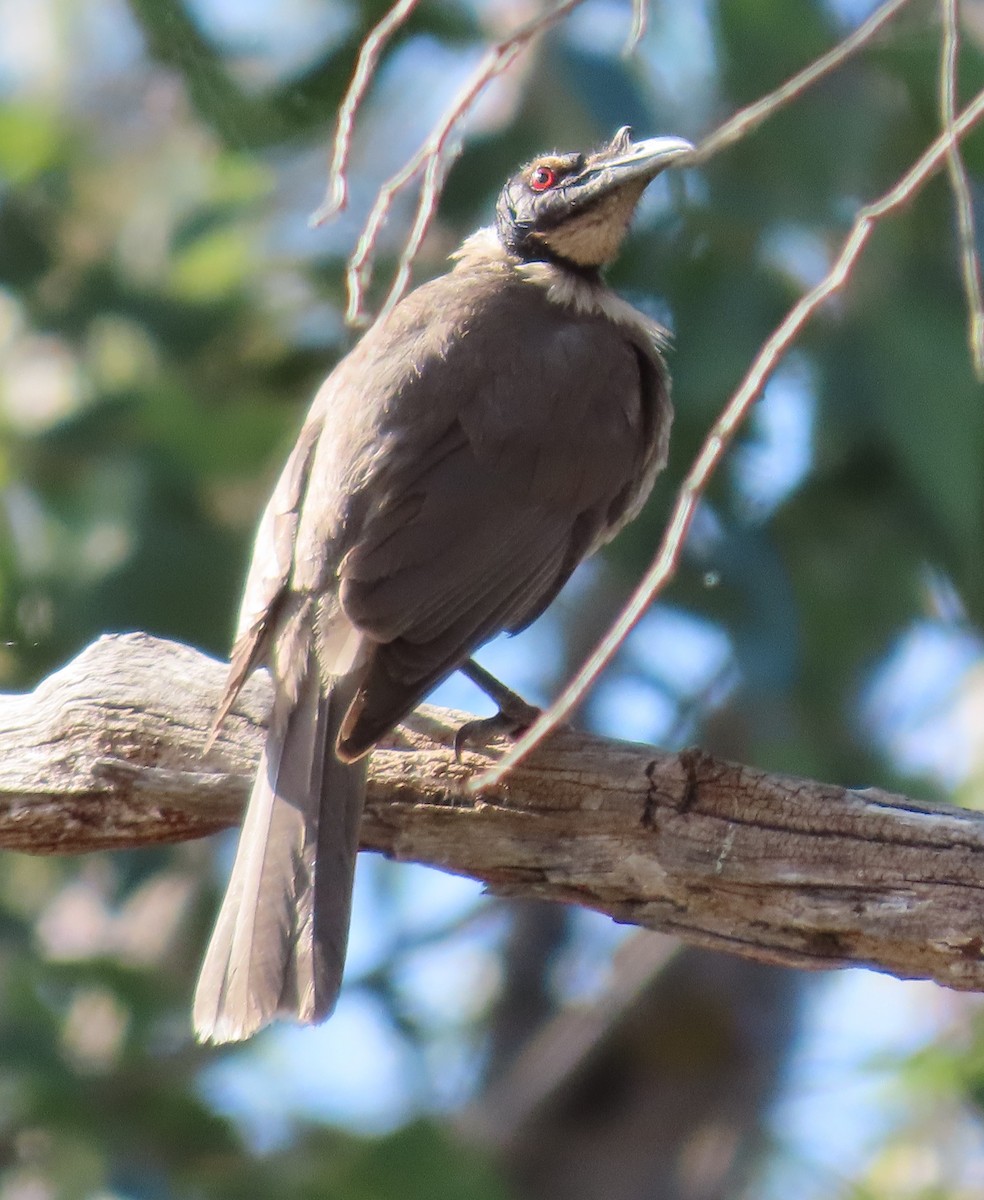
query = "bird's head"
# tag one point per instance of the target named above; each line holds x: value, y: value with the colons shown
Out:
x: 576, y: 208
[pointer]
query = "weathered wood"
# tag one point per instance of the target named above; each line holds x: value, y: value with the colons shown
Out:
x: 107, y: 753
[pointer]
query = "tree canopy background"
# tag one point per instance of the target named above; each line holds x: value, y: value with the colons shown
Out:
x: 165, y: 317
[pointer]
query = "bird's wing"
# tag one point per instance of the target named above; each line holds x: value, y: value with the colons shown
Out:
x: 270, y: 566
x: 513, y: 447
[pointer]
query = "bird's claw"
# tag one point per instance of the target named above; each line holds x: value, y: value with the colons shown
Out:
x: 509, y: 724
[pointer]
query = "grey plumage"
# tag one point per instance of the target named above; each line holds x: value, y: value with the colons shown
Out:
x: 498, y: 426
x: 279, y: 943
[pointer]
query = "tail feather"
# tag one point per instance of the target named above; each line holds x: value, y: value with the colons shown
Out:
x: 278, y: 948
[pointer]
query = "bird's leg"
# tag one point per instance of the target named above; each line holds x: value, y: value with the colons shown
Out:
x: 510, y: 704
x: 513, y: 717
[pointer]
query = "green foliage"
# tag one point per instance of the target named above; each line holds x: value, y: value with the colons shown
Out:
x: 30, y: 142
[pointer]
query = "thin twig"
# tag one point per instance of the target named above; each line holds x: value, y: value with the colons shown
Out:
x: 960, y: 186
x: 359, y: 270
x: 430, y: 190
x: 666, y: 562
x: 748, y: 119
x: 493, y: 63
x: 336, y: 191
x: 637, y: 30
x: 439, y: 156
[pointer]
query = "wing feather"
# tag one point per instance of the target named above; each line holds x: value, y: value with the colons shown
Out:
x: 458, y: 464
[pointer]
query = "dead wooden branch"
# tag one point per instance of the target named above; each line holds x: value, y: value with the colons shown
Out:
x: 106, y: 753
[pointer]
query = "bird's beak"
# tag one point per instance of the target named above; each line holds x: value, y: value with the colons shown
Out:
x: 633, y: 160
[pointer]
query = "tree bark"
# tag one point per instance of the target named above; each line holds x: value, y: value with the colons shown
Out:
x: 107, y: 753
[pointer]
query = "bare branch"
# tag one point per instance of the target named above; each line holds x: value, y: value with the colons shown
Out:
x: 970, y: 266
x: 435, y: 154
x: 637, y: 30
x: 749, y: 119
x: 336, y: 191
x: 434, y: 176
x: 106, y: 753
x: 665, y: 564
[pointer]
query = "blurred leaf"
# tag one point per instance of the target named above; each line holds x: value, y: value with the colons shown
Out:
x: 213, y: 264
x: 30, y: 141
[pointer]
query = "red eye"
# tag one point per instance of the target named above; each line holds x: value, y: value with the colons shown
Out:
x: 542, y: 178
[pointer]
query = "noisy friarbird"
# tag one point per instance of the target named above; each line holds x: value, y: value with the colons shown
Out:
x: 496, y: 427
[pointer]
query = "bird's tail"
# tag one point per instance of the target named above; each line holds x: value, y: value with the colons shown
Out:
x: 278, y: 948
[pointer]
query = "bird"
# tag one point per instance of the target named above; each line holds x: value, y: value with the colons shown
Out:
x: 493, y: 429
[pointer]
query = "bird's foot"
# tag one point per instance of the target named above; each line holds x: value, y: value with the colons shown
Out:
x: 514, y: 717
x: 511, y: 723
